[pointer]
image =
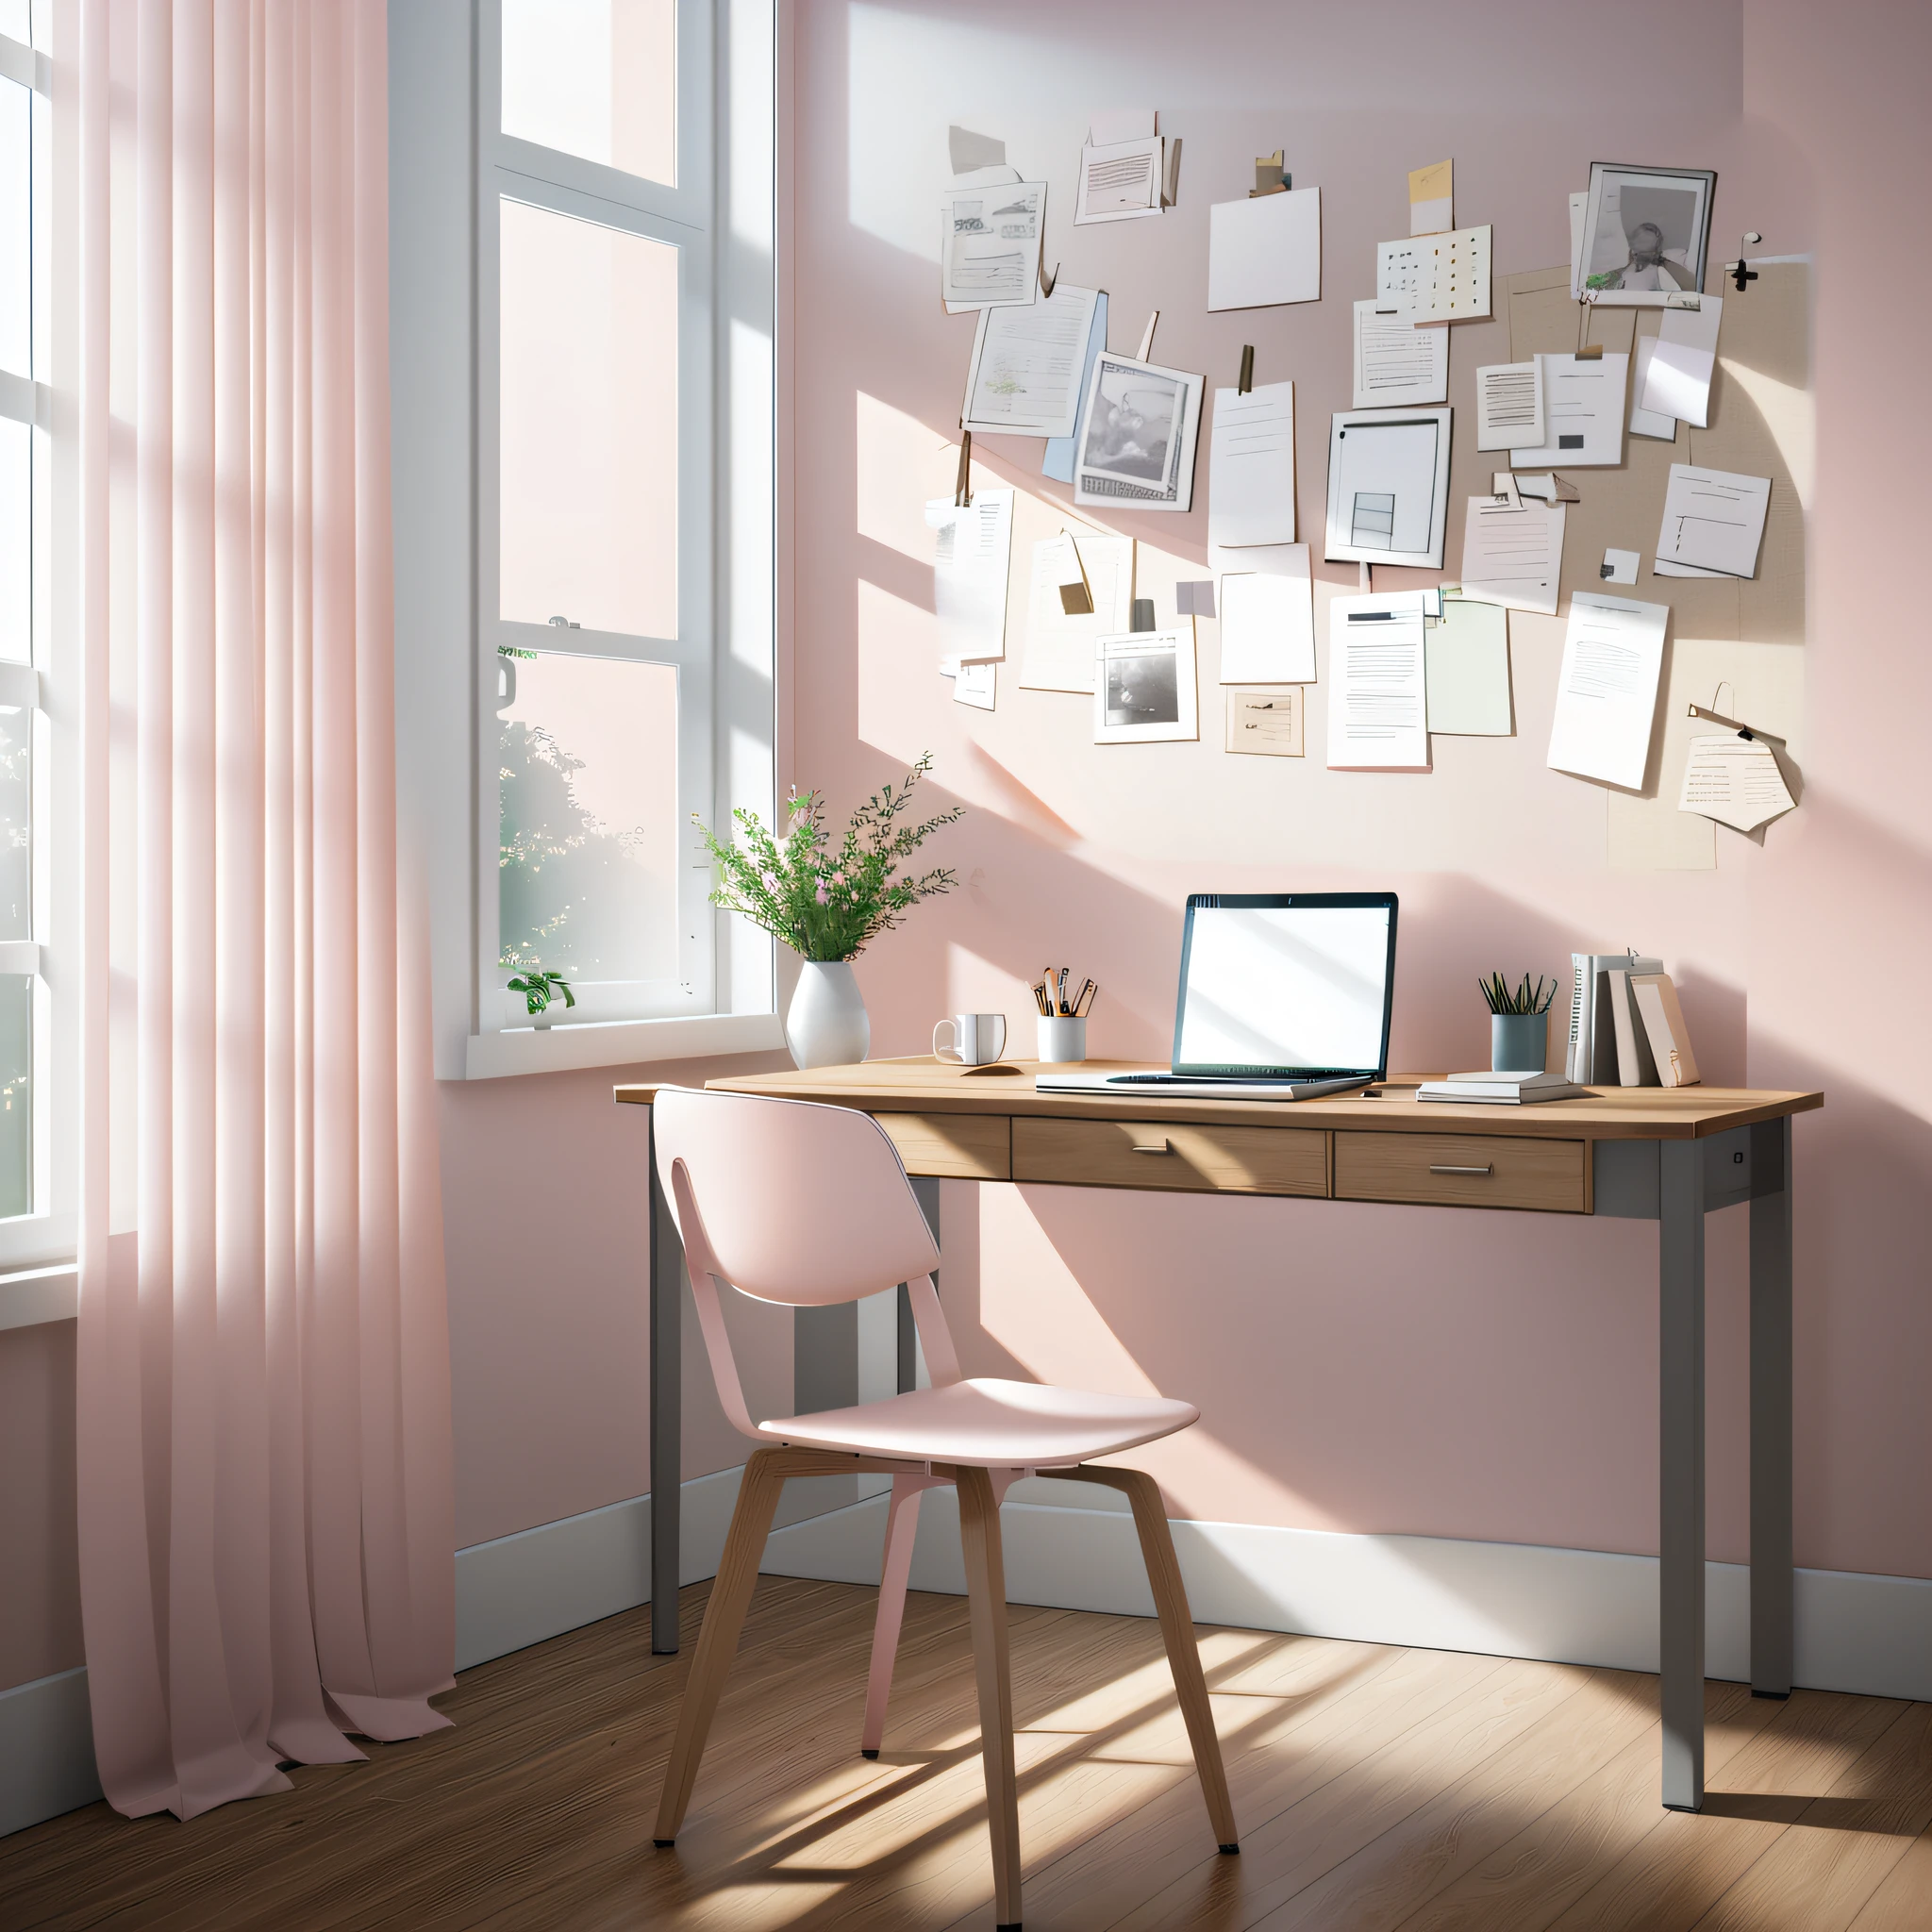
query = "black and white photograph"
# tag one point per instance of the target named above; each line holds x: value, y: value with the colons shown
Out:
x: 1144, y: 691
x: 1644, y: 231
x: 1137, y: 440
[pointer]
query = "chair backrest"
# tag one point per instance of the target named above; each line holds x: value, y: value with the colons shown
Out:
x: 791, y: 1202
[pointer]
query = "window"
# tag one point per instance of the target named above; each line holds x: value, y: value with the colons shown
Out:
x: 34, y: 1225
x: 624, y: 344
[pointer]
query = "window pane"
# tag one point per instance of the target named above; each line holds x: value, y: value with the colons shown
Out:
x: 16, y: 823
x: 588, y: 817
x: 15, y: 22
x: 597, y: 79
x: 16, y: 227
x: 16, y: 539
x: 589, y: 392
x: 16, y: 1094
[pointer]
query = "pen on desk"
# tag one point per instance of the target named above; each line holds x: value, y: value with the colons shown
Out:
x: 1066, y: 1010
x: 1040, y: 1001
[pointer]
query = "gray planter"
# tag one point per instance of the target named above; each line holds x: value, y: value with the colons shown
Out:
x: 1519, y: 1043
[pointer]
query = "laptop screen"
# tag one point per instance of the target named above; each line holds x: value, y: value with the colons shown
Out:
x: 1280, y: 983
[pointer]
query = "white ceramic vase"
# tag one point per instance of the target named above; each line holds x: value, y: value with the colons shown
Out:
x: 826, y: 1025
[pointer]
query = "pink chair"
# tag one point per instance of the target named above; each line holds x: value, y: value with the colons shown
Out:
x: 808, y: 1206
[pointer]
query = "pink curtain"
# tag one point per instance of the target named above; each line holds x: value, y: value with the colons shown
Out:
x: 264, y: 1450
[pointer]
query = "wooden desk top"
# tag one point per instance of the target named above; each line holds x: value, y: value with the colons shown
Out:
x: 925, y: 1084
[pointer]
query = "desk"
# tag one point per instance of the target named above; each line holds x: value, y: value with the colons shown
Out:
x: 1668, y: 1155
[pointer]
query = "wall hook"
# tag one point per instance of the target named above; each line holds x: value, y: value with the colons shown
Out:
x: 1739, y: 270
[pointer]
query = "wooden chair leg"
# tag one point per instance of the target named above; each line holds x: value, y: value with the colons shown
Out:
x: 737, y: 1575
x: 986, y: 1595
x: 902, y: 1527
x: 1177, y: 1631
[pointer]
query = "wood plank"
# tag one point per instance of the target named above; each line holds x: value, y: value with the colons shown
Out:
x: 1900, y: 1903
x: 1462, y: 1171
x: 923, y: 1085
x: 961, y: 1146
x: 1164, y: 1155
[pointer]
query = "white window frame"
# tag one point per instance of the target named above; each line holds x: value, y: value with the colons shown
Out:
x: 48, y: 1232
x: 720, y: 217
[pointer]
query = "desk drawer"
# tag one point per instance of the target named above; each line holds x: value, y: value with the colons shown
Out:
x: 1461, y: 1171
x: 962, y: 1146
x: 1162, y: 1153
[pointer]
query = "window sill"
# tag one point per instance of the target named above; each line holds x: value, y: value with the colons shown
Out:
x: 617, y: 1043
x: 40, y: 1294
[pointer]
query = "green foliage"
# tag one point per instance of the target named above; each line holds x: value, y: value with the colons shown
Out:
x: 1525, y: 999
x: 828, y: 903
x: 539, y: 989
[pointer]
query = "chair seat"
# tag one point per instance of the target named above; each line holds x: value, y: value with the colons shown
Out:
x: 994, y: 1423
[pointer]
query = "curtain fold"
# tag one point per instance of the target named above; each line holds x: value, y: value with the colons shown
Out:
x: 264, y: 1417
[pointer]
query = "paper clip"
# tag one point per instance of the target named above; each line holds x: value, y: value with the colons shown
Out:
x: 1247, y: 375
x: 963, y: 487
x: 1147, y: 337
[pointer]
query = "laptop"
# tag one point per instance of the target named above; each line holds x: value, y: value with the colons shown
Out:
x: 1283, y: 996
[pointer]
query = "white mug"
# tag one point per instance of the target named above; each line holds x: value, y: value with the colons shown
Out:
x: 978, y: 1039
x: 1063, y: 1041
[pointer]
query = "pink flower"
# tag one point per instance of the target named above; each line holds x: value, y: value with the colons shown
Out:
x: 838, y: 878
x: 821, y: 894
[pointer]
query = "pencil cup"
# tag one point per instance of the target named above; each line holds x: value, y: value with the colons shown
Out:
x: 1062, y: 1042
x: 1519, y: 1043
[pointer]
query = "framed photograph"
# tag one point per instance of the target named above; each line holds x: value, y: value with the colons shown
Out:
x: 1143, y: 687
x: 1388, y: 487
x: 1136, y: 446
x: 1644, y: 234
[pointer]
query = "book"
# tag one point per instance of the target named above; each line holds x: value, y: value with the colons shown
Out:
x: 1663, y: 1024
x: 1636, y: 1066
x: 1501, y: 1089
x: 1593, y: 1055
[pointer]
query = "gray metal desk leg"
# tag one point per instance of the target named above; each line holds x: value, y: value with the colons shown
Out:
x: 667, y: 1421
x: 1771, y: 1408
x: 1680, y: 1581
x: 925, y: 1191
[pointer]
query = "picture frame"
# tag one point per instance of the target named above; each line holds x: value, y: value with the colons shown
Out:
x: 1646, y: 233
x: 1389, y: 492
x: 1138, y: 429
x: 1145, y: 689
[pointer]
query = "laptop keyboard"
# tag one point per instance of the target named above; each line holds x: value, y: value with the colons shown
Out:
x: 1295, y: 1079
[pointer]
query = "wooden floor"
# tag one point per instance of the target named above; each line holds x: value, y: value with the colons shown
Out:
x: 1375, y: 1787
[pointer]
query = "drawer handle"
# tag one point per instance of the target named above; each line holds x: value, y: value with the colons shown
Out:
x: 1461, y: 1170
x: 1165, y: 1147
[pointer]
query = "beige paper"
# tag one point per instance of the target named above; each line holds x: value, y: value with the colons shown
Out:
x: 1267, y: 723
x: 1431, y: 199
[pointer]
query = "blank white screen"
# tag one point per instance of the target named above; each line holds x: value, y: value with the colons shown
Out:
x: 1286, y: 986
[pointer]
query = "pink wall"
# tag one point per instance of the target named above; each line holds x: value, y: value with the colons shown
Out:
x: 1396, y: 1370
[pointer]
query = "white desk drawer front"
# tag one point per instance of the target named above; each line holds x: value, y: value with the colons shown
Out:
x: 1160, y: 1154
x: 1461, y: 1171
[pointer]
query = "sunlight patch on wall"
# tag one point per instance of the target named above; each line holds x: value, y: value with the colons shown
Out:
x: 1791, y: 416
x: 898, y: 665
x: 901, y: 465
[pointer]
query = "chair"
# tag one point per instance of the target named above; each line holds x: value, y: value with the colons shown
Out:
x: 808, y: 1206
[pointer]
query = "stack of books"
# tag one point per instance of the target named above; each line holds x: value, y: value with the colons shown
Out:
x: 1500, y: 1089
x: 1627, y: 1027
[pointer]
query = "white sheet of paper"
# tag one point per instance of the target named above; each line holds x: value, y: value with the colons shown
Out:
x: 1676, y: 380
x: 972, y: 684
x: 1116, y: 124
x: 972, y: 549
x: 1647, y: 422
x: 1120, y: 180
x: 1606, y: 688
x: 1512, y: 554
x: 1620, y: 566
x: 1025, y: 378
x: 1388, y: 487
x: 1583, y: 413
x: 1379, y: 698
x: 1579, y: 207
x: 1713, y: 520
x: 1145, y: 689
x: 1466, y: 656
x: 1251, y: 466
x: 1265, y: 251
x: 1058, y: 459
x: 1397, y: 362
x: 1432, y: 198
x: 990, y: 244
x: 1059, y: 649
x: 1435, y: 278
x: 1735, y: 780
x: 1268, y: 627
x: 1509, y: 404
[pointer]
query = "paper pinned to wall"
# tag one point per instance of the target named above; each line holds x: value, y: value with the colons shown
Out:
x: 1436, y: 278
x: 1388, y: 487
x: 1028, y: 365
x: 1713, y: 523
x: 969, y: 152
x: 1583, y: 412
x: 971, y: 550
x: 1734, y: 777
x: 1267, y: 723
x: 1509, y: 404
x: 1466, y: 660
x: 1057, y: 461
x: 1251, y: 466
x: 1620, y: 566
x: 1137, y: 428
x: 972, y: 684
x: 1512, y: 554
x: 990, y: 239
x: 1121, y: 168
x: 1647, y: 422
x: 1059, y: 642
x: 1268, y: 627
x: 1607, y: 689
x: 1397, y: 361
x: 1145, y: 689
x: 1431, y: 199
x: 1378, y: 700
x: 1265, y: 250
x: 1676, y: 377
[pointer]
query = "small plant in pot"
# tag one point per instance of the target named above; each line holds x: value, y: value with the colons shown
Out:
x: 828, y: 902
x: 539, y: 990
x: 1518, y: 1023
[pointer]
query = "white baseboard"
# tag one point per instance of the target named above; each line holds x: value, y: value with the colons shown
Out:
x: 1854, y: 1632
x: 46, y: 1750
